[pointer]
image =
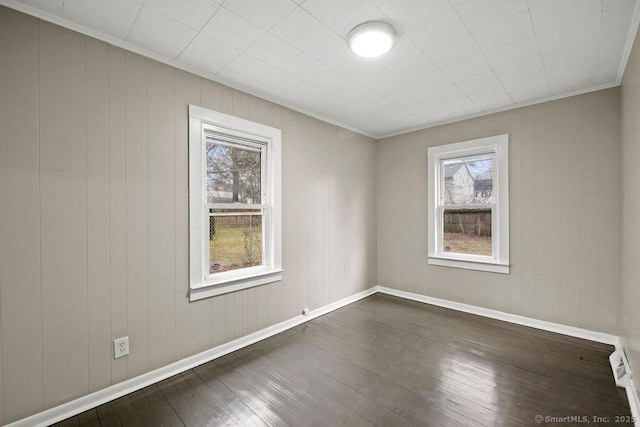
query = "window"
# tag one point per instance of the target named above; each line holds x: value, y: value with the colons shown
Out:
x: 234, y: 206
x: 468, y: 224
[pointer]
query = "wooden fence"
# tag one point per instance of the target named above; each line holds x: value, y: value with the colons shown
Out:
x: 468, y: 221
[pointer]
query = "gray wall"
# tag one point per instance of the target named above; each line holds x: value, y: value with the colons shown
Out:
x: 565, y: 198
x: 630, y: 93
x: 94, y: 222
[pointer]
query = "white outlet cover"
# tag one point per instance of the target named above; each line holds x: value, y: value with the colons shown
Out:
x: 120, y: 347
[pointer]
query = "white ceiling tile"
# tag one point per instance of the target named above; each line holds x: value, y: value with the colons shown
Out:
x: 607, y: 4
x: 246, y: 68
x: 278, y: 81
x: 517, y: 51
x: 526, y: 89
x: 425, y: 82
x: 467, y: 67
x: 114, y: 19
x: 610, y: 54
x: 437, y: 32
x: 618, y: 17
x: 408, y: 13
x: 535, y: 3
x: 521, y: 70
x: 306, y: 93
x: 478, y: 81
x: 443, y: 91
x: 552, y: 14
x: 530, y: 90
x: 479, y: 14
x: 301, y: 30
x: 412, y: 67
x: 510, y: 30
x: 386, y: 85
x: 154, y: 31
x: 192, y: 13
x: 452, y: 57
x: 403, y: 50
x: 567, y: 80
x: 497, y: 100
x: 449, y: 108
x: 574, y: 55
x: 232, y: 30
x: 264, y: 14
x: 607, y: 72
x: 489, y: 92
x: 305, y: 67
x: 461, y: 48
x: 272, y: 50
x: 54, y: 7
x: 334, y: 52
x: 343, y: 15
x: 337, y: 84
x: 570, y: 34
x: 208, y: 54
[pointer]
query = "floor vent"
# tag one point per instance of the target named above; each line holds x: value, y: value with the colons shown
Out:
x: 620, y: 368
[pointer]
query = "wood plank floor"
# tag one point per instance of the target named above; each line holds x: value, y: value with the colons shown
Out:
x: 387, y: 361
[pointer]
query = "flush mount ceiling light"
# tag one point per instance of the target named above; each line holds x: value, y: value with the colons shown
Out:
x: 371, y: 39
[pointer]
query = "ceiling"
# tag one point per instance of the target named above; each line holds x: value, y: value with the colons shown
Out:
x: 453, y: 58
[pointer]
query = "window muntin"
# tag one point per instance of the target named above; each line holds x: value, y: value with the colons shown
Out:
x: 234, y: 190
x: 468, y: 204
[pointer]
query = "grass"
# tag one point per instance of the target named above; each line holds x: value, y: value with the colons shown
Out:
x: 465, y: 243
x: 230, y: 248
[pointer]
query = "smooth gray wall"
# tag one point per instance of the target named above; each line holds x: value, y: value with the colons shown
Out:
x: 565, y: 198
x: 94, y: 221
x: 630, y: 93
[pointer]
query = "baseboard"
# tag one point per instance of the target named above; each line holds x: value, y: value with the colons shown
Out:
x: 507, y: 317
x: 634, y: 402
x: 632, y: 395
x: 632, y: 392
x: 77, y: 406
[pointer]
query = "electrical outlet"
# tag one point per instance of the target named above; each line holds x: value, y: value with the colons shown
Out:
x: 120, y: 347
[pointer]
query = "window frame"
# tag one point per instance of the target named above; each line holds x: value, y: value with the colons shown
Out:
x: 202, y: 283
x: 499, y: 261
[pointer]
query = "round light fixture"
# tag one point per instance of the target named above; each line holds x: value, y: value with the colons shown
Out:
x: 371, y: 39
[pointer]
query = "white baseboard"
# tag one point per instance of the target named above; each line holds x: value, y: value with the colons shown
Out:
x: 64, y: 411
x: 632, y: 392
x: 77, y: 406
x: 601, y: 337
x: 634, y: 403
x: 507, y: 317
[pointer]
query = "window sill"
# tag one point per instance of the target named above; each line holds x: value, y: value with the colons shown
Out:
x: 470, y: 265
x: 211, y: 289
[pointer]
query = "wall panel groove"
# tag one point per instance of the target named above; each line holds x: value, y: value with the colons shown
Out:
x: 565, y: 199
x: 98, y: 188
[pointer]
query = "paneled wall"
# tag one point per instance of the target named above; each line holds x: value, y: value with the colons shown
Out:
x: 565, y: 199
x: 630, y: 93
x: 94, y: 221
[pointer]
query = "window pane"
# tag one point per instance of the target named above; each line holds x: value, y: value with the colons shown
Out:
x: 233, y: 174
x: 467, y: 231
x: 468, y: 180
x: 235, y: 239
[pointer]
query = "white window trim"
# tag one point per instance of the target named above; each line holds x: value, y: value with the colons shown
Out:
x: 201, y: 283
x: 500, y: 213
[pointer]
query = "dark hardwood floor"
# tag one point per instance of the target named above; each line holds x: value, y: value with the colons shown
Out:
x: 387, y: 361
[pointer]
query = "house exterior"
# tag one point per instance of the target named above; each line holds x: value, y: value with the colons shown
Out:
x: 458, y: 184
x: 462, y: 188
